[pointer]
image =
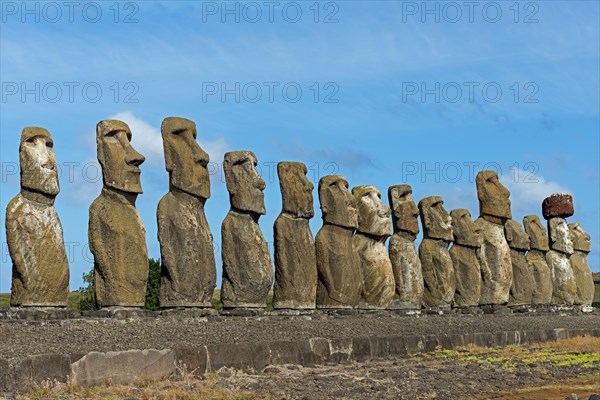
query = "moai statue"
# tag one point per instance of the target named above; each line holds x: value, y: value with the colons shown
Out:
x: 581, y: 268
x: 116, y: 234
x: 338, y: 264
x: 438, y: 271
x: 496, y: 265
x: 374, y: 227
x: 295, y: 258
x: 465, y: 253
x: 403, y: 252
x: 188, y: 271
x: 247, y: 269
x: 555, y: 209
x: 523, y: 285
x: 40, y: 270
x: 536, y: 257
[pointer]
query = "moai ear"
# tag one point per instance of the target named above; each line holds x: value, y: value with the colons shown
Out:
x: 508, y: 233
x: 552, y: 232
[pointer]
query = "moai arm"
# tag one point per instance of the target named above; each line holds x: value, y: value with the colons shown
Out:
x: 169, y: 235
x: 97, y: 244
x: 15, y: 239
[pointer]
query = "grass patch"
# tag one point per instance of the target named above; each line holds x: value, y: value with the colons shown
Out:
x: 597, y: 294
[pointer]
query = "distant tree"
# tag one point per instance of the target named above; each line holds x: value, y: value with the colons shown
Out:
x: 87, y: 295
x: 153, y: 284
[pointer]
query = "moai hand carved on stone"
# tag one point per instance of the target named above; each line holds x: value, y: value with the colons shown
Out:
x: 40, y: 270
x: 374, y: 227
x: 561, y: 249
x: 438, y: 271
x: 465, y: 254
x: 581, y: 268
x: 116, y: 234
x: 188, y: 272
x: 247, y: 269
x: 406, y: 264
x: 338, y: 264
x: 496, y: 264
x: 295, y: 258
x: 536, y: 257
x: 523, y: 286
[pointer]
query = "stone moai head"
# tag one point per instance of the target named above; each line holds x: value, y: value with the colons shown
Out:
x: 244, y: 184
x: 38, y: 162
x: 405, y: 212
x: 118, y: 159
x: 494, y: 198
x: 537, y: 233
x: 437, y: 223
x: 185, y: 160
x: 581, y: 239
x: 296, y: 189
x: 516, y: 236
x: 464, y: 229
x: 337, y: 203
x: 373, y: 214
x: 560, y: 236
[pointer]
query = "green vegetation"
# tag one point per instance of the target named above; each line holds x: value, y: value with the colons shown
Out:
x: 153, y: 285
x: 597, y: 294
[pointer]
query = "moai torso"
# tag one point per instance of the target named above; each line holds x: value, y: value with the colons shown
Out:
x: 408, y: 275
x: 295, y: 257
x: 465, y: 253
x: 338, y: 264
x: 40, y: 271
x: 536, y: 257
x: 581, y: 268
x: 561, y: 248
x: 188, y: 269
x: 247, y: 269
x: 374, y: 227
x: 523, y: 286
x: 438, y: 271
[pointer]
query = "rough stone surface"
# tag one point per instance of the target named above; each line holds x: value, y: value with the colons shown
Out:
x: 536, y: 257
x: 438, y: 271
x: 561, y: 248
x: 295, y: 256
x: 122, y: 367
x: 188, y: 270
x: 465, y: 253
x: 523, y: 284
x: 494, y: 198
x: 374, y: 227
x: 34, y: 235
x: 406, y: 264
x: 496, y: 264
x: 247, y: 269
x: 559, y: 205
x: 116, y: 234
x: 338, y: 264
x: 581, y: 268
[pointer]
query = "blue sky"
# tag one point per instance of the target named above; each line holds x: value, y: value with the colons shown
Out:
x: 391, y: 93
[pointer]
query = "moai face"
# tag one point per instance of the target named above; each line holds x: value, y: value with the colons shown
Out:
x: 184, y: 158
x: 373, y: 214
x: 516, y: 236
x: 244, y: 184
x: 465, y: 231
x: 437, y: 223
x: 581, y: 239
x: 405, y: 212
x: 560, y: 236
x: 537, y: 233
x: 337, y: 203
x: 494, y: 198
x: 119, y: 160
x: 38, y: 162
x: 296, y: 189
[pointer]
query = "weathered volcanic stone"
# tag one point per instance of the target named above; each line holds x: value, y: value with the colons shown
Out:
x: 338, y: 264
x: 188, y: 272
x: 496, y: 265
x: 561, y: 248
x: 247, y: 269
x: 406, y: 264
x: 116, y: 234
x: 295, y: 256
x: 465, y: 259
x: 558, y: 205
x: 523, y: 285
x: 374, y: 227
x: 438, y: 271
x: 536, y: 257
x: 581, y: 268
x: 40, y: 270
